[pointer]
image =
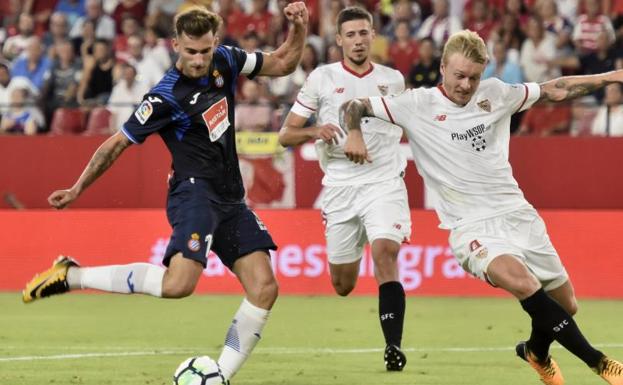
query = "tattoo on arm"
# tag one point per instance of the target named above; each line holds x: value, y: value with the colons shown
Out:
x: 103, y: 158
x: 352, y: 111
x: 562, y: 89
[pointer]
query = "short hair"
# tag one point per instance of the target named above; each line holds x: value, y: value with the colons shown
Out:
x: 352, y: 13
x: 196, y: 21
x: 468, y: 43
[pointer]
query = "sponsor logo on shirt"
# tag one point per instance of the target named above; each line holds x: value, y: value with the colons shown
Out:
x: 339, y: 90
x: 216, y: 119
x: 144, y: 111
x: 475, y: 135
x: 440, y: 118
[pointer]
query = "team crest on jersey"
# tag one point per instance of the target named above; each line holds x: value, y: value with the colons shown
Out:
x: 485, y: 105
x: 144, y: 111
x: 482, y: 251
x: 218, y: 79
x: 193, y: 242
x: 216, y: 119
x: 383, y: 89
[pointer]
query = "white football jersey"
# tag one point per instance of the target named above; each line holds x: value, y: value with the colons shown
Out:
x: 462, y: 152
x: 324, y: 91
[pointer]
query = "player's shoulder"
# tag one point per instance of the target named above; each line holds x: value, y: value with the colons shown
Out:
x: 168, y: 82
x: 388, y: 71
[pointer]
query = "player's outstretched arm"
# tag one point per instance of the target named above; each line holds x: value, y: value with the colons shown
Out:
x: 102, y: 159
x: 294, y: 133
x: 351, y: 113
x: 284, y: 59
x: 571, y: 87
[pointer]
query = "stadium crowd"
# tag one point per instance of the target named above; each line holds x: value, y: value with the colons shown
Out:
x: 82, y: 66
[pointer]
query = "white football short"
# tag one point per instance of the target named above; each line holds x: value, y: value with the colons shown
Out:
x: 358, y: 214
x: 520, y: 233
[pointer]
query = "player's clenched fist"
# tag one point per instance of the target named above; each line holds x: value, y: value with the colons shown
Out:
x: 59, y: 199
x: 297, y: 13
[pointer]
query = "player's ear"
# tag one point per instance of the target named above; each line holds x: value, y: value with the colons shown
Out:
x: 175, y: 44
x: 338, y: 39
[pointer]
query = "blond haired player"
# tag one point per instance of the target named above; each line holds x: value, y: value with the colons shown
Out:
x: 362, y: 203
x: 459, y: 134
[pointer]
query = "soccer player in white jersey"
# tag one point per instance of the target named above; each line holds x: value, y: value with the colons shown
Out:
x: 361, y: 203
x: 459, y: 134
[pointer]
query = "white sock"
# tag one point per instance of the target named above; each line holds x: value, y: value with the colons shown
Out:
x: 242, y: 336
x: 142, y: 278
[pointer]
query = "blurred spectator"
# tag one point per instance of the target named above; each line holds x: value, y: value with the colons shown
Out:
x: 168, y: 7
x: 537, y: 52
x: 104, y: 24
x: 41, y: 10
x: 602, y: 60
x: 96, y: 81
x: 62, y: 86
x: 22, y: 117
x: 511, y: 34
x: 568, y: 9
x: 156, y: 48
x: 439, y: 26
x: 10, y: 18
x: 426, y: 72
x: 588, y: 27
x: 609, y: 118
x: 129, y: 26
x: 137, y: 9
x: 233, y: 17
x: 5, y: 78
x: 34, y: 65
x: 278, y: 28
x: 518, y: 9
x: 545, y: 120
x: 83, y: 44
x: 403, y: 51
x: 479, y: 19
x: 58, y: 32
x: 259, y: 20
x: 16, y: 44
x: 553, y: 22
x: 253, y: 113
x: 500, y: 67
x: 250, y: 42
x: 333, y: 54
x: 149, y: 71
x: 327, y: 28
x: 125, y: 96
x: 404, y: 10
x: 73, y: 9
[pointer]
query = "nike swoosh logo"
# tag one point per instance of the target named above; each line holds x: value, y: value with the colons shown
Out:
x: 33, y: 292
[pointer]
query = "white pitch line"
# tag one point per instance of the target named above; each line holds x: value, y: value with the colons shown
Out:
x: 275, y: 350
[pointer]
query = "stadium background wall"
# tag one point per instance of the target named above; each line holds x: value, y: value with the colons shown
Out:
x: 588, y: 241
x: 554, y: 173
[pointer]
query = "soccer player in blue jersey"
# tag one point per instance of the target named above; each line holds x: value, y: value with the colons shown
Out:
x: 192, y: 109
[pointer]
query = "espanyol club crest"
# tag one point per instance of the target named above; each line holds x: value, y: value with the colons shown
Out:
x: 218, y: 79
x: 193, y: 242
x: 383, y: 89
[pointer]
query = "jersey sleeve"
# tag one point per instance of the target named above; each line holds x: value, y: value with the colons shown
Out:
x: 153, y: 114
x: 519, y: 97
x: 307, y: 100
x: 394, y: 108
x: 242, y: 62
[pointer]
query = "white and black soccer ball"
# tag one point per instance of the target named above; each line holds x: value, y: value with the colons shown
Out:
x: 199, y: 371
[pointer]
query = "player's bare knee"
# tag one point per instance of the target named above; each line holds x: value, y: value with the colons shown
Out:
x: 571, y: 307
x: 342, y: 287
x: 176, y: 289
x: 264, y: 294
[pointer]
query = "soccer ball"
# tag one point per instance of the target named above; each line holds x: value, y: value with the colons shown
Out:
x: 199, y: 371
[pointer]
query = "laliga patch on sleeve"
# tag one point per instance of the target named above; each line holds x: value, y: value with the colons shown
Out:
x: 216, y: 119
x: 144, y: 111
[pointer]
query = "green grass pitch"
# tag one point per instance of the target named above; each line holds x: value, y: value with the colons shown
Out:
x: 104, y: 339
